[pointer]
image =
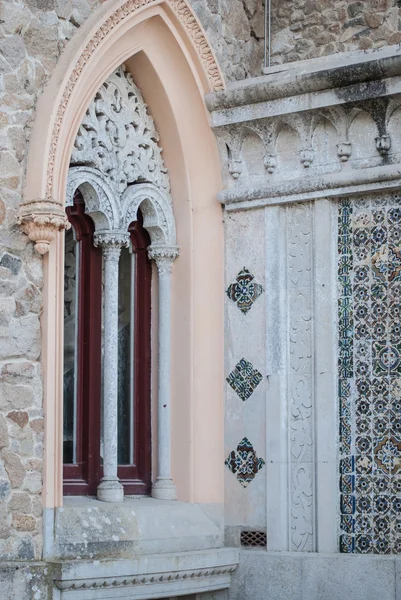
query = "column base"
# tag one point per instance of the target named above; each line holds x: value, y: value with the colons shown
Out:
x: 164, y: 489
x: 110, y: 491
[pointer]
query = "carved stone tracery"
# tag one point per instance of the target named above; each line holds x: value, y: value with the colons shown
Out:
x: 118, y: 137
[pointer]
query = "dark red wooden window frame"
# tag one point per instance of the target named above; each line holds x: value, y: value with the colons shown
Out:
x: 83, y: 477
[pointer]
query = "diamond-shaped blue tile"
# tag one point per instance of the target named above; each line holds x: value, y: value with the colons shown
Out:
x: 244, y: 463
x: 244, y: 291
x: 244, y: 379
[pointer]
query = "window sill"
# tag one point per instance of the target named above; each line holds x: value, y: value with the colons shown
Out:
x: 86, y: 528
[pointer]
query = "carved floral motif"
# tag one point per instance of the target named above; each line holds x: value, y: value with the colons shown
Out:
x: 119, y: 138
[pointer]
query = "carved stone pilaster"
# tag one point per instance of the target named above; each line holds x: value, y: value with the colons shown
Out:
x: 41, y: 220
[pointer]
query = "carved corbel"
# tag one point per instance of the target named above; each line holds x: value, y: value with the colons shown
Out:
x: 383, y: 144
x: 344, y: 151
x: 270, y: 163
x: 41, y: 220
x: 307, y: 156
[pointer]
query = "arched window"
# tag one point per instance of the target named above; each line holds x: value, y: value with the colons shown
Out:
x: 120, y: 210
x: 83, y: 344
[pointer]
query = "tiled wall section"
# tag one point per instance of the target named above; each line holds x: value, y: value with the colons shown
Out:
x: 369, y: 275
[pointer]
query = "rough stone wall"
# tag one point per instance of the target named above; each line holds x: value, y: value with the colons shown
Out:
x: 32, y: 35
x: 235, y: 29
x: 304, y: 29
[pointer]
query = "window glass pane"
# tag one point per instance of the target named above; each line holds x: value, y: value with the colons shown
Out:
x: 125, y: 362
x: 70, y: 346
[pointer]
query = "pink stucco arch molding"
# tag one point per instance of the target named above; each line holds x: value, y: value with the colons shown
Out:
x: 78, y: 75
x: 166, y: 50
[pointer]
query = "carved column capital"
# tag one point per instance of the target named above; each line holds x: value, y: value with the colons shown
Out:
x: 164, y: 256
x: 41, y: 220
x: 111, y: 243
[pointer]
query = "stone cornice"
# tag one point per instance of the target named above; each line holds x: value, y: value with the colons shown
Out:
x: 313, y: 76
x: 334, y: 185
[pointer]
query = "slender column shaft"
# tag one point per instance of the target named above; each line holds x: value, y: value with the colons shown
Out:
x: 164, y: 451
x: 164, y: 487
x: 110, y: 369
x: 110, y: 489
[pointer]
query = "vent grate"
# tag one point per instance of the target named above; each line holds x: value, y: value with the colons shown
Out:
x: 253, y: 539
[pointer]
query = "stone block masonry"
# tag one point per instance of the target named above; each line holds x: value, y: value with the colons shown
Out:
x: 303, y: 29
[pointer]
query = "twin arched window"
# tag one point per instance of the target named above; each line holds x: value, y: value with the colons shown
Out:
x: 83, y: 351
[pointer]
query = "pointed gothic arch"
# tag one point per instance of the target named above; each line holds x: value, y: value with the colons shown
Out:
x: 168, y: 55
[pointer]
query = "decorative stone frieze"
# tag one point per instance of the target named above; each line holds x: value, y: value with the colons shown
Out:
x: 41, y: 221
x: 322, y: 129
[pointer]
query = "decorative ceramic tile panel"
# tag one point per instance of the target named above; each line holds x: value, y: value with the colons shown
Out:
x: 369, y: 366
x: 244, y: 379
x: 244, y: 291
x: 244, y: 463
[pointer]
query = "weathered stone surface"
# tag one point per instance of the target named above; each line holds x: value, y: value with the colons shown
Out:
x: 7, y: 308
x: 13, y: 263
x: 2, y: 211
x: 5, y: 529
x: 37, y: 425
x: 41, y: 4
x: 37, y: 508
x: 23, y: 522
x: 63, y: 8
x: 4, y: 489
x: 33, y: 482
x: 15, y: 396
x: 4, y: 439
x: 18, y: 416
x: 20, y: 502
x: 13, y: 50
x: 17, y: 371
x: 304, y: 29
x: 14, y: 467
x: 41, y: 40
x: 21, y: 338
x: 28, y: 299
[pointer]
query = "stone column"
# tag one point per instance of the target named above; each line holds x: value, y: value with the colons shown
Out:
x: 110, y: 489
x: 164, y: 487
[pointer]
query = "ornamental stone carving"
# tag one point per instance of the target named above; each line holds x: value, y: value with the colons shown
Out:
x: 164, y: 256
x: 41, y: 221
x: 192, y: 27
x: 119, y: 138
